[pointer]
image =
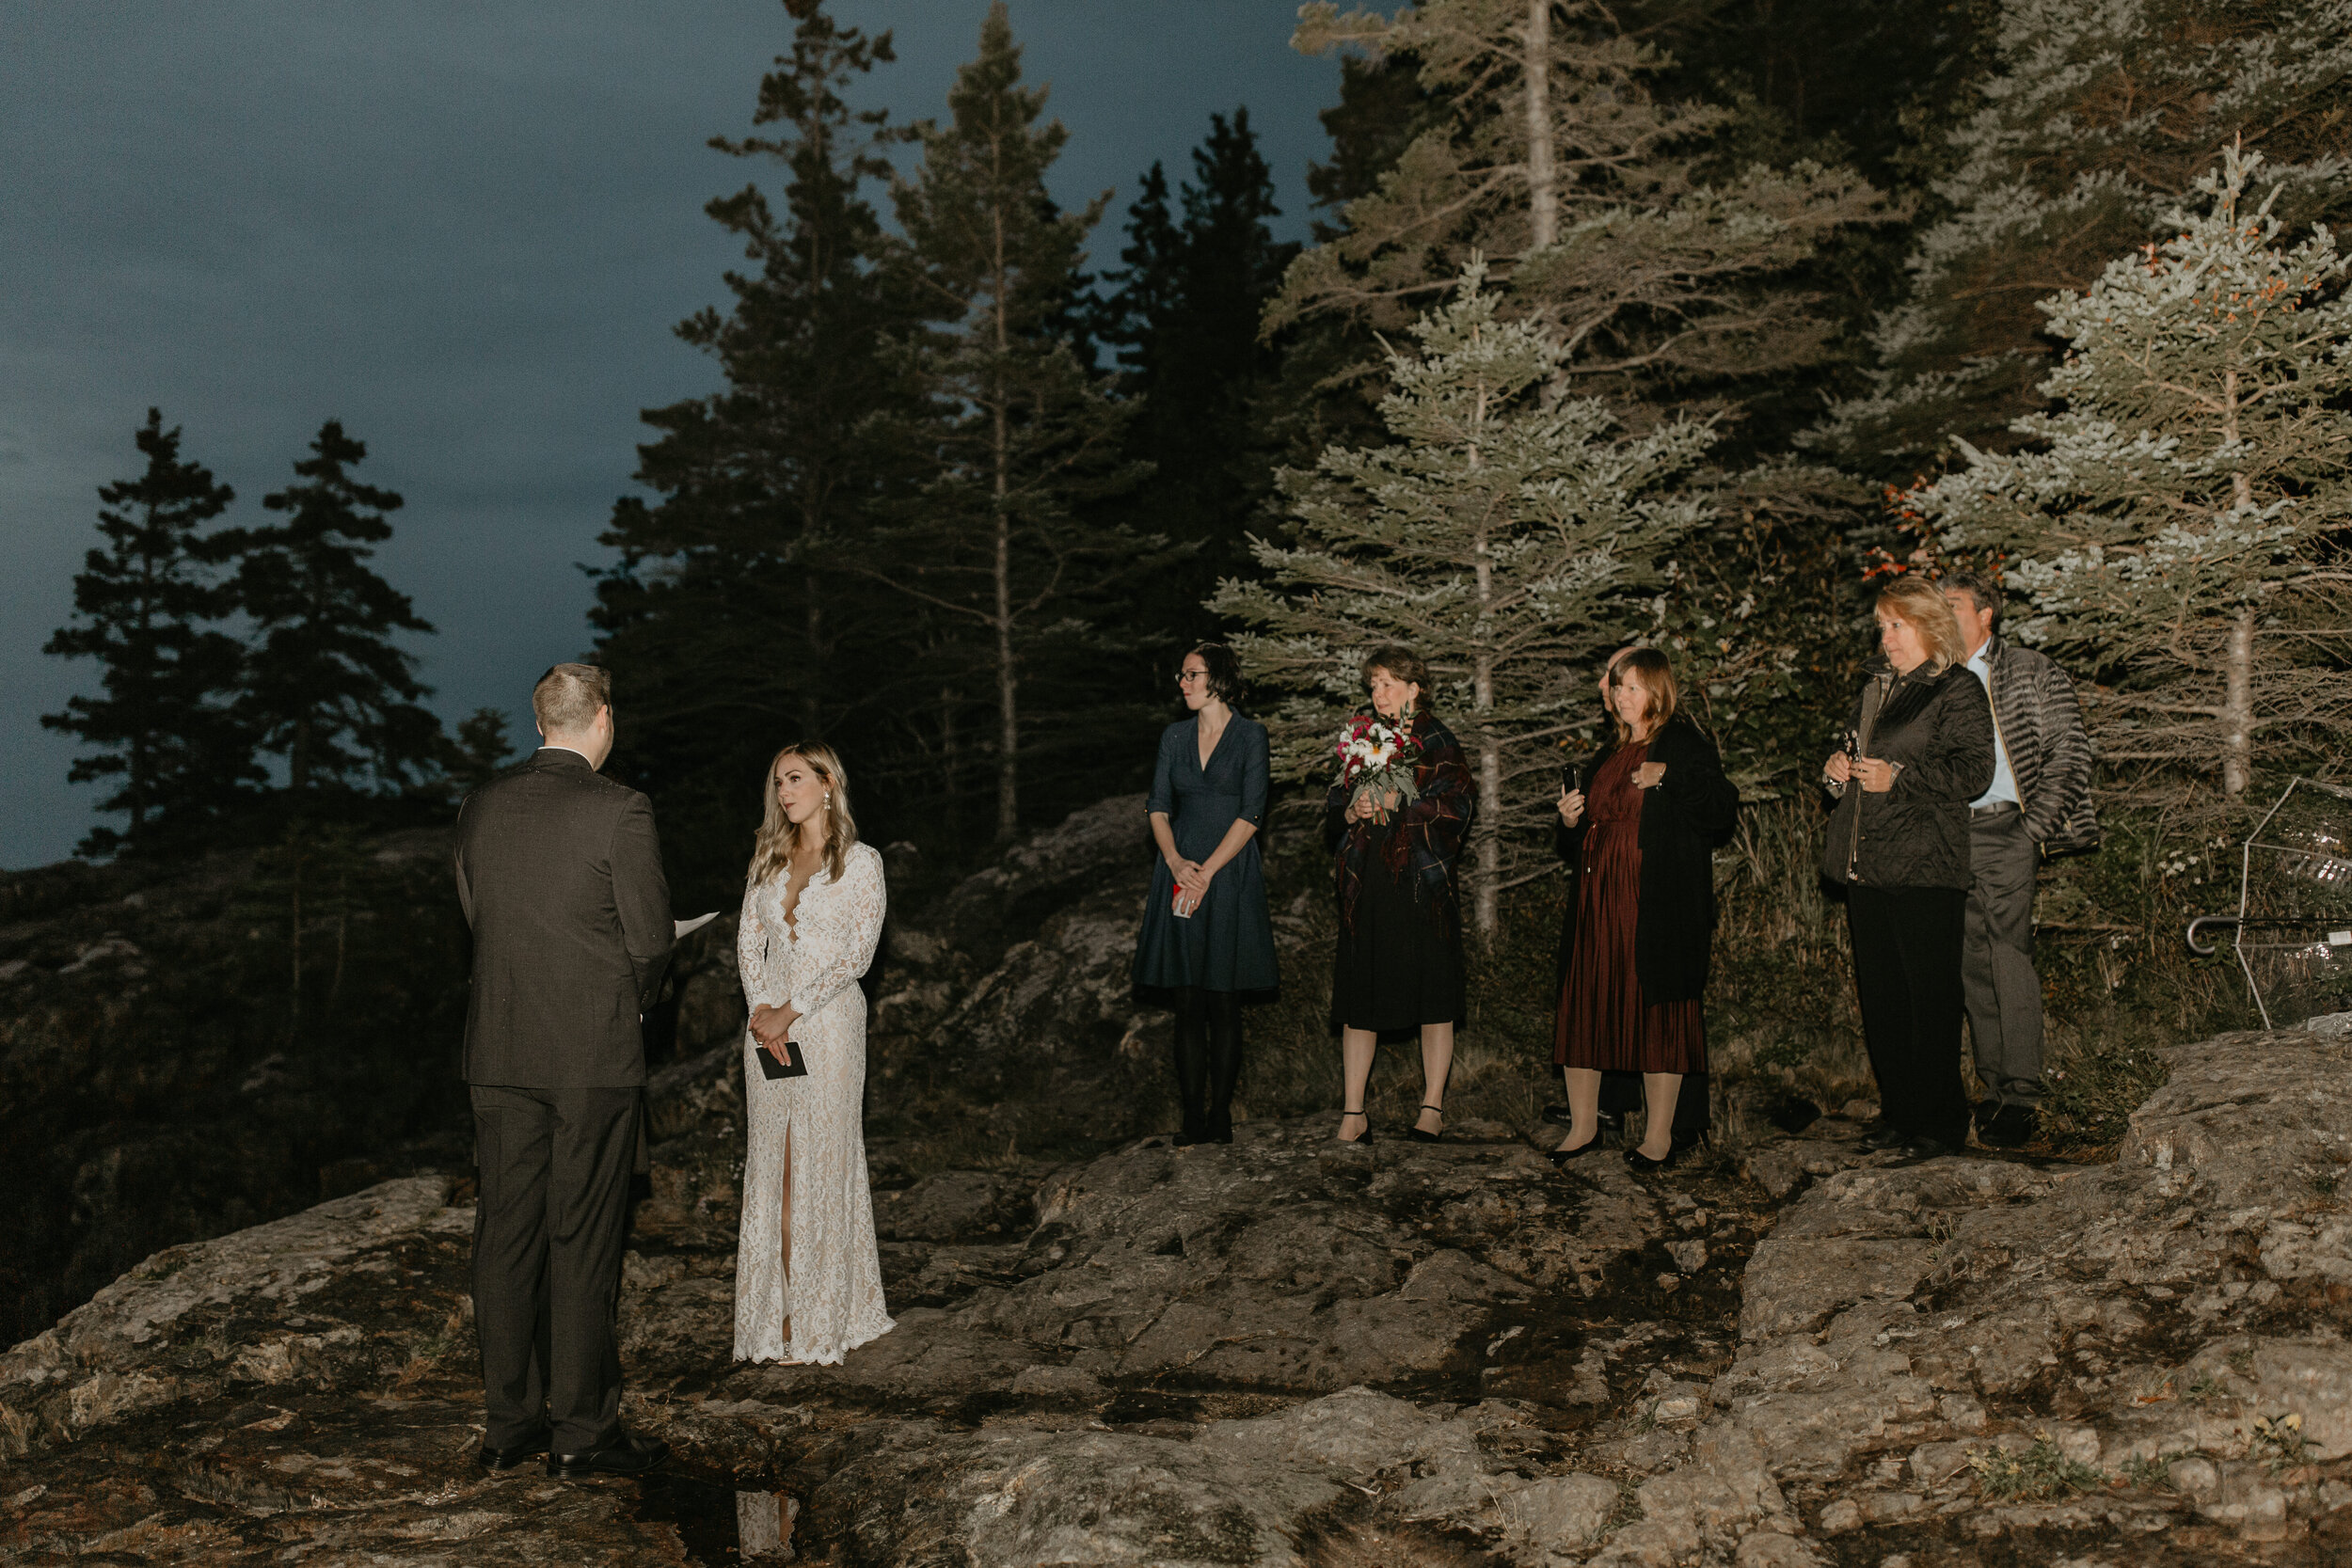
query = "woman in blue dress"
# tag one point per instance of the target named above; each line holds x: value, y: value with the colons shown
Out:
x: 1207, y: 942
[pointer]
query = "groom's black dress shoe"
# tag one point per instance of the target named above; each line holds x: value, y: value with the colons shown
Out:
x: 1884, y: 1137
x: 1560, y: 1115
x: 628, y: 1454
x: 514, y: 1453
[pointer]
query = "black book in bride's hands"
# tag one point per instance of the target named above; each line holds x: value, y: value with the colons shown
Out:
x: 793, y: 1066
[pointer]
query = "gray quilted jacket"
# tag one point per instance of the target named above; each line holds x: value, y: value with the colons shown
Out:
x: 2049, y: 751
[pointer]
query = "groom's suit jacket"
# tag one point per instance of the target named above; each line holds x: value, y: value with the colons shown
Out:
x: 560, y: 871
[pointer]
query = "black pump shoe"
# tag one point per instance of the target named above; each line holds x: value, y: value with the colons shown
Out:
x: 514, y: 1453
x: 1421, y: 1137
x: 1560, y: 1157
x: 628, y: 1454
x: 1365, y: 1138
x: 1643, y: 1164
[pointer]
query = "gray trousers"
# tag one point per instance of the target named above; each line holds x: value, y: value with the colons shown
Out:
x: 547, y: 1235
x: 2004, y: 994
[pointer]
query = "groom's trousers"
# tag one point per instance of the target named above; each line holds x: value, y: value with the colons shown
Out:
x: 548, y: 1228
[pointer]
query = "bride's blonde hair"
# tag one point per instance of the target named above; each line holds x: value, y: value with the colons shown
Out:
x: 772, y: 847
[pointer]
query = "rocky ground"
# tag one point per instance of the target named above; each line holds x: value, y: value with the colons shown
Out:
x: 1283, y: 1351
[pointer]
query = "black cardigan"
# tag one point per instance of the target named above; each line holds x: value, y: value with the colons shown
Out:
x: 1683, y: 820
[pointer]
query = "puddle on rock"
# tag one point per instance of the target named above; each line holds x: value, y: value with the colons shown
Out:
x: 718, y: 1521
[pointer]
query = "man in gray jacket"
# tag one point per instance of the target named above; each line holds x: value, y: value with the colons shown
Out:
x: 560, y: 873
x: 2039, y: 805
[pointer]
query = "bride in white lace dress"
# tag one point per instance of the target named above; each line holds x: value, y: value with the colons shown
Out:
x: 807, y: 1273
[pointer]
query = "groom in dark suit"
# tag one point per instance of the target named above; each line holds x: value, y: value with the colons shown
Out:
x: 560, y: 873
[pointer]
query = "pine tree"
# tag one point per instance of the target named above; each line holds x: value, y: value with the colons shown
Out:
x: 1664, y: 282
x: 325, y: 686
x: 2179, y: 520
x: 146, y: 607
x: 1509, y: 543
x: 998, y: 546
x: 2098, y: 119
x: 1184, y: 318
x: 745, y: 563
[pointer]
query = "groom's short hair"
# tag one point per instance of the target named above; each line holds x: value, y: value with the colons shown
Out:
x: 568, y: 697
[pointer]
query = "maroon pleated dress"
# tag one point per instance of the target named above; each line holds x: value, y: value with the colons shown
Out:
x: 1602, y: 1021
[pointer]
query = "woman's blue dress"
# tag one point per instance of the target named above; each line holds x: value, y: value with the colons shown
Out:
x: 1228, y: 942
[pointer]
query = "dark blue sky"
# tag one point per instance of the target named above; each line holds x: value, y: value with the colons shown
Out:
x: 466, y: 231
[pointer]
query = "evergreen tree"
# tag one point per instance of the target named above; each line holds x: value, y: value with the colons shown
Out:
x: 1510, y: 543
x: 2097, y: 119
x: 1666, y: 281
x: 479, y: 749
x: 144, y: 609
x: 1184, y: 318
x: 765, y: 485
x: 325, y: 686
x: 998, y: 546
x: 2179, y: 520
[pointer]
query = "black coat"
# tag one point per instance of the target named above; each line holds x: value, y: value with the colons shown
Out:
x: 1940, y: 728
x: 1683, y: 820
x: 560, y: 873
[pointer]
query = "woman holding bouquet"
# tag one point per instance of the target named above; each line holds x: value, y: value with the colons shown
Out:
x: 1206, y: 938
x: 1639, y: 837
x: 1397, y: 819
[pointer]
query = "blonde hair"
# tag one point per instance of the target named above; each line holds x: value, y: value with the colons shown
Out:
x: 772, y: 847
x: 1922, y: 604
x: 1648, y: 669
x: 568, y: 697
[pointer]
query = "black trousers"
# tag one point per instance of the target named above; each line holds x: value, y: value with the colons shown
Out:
x: 1906, y: 971
x: 547, y: 1234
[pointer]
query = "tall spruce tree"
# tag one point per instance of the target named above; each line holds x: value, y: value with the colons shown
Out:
x: 1198, y: 271
x: 1666, y: 282
x: 2097, y: 119
x: 1508, y: 542
x: 325, y: 686
x: 2179, y: 520
x: 765, y: 485
x: 999, y: 547
x: 146, y: 607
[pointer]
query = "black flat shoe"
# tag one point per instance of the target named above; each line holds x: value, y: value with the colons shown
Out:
x: 1366, y: 1137
x: 515, y: 1454
x: 628, y: 1454
x: 1421, y: 1137
x: 1560, y: 1157
x: 1643, y: 1164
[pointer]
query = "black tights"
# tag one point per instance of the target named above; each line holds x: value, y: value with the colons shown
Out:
x: 1208, y: 1061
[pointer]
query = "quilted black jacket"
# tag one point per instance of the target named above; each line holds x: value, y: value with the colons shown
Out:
x: 1939, y: 728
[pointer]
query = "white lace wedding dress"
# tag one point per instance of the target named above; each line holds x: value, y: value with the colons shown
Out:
x: 831, y: 1291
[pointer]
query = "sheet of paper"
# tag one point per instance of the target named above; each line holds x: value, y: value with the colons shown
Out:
x: 687, y: 927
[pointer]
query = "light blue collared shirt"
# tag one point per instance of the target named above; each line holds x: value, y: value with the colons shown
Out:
x: 2004, y: 785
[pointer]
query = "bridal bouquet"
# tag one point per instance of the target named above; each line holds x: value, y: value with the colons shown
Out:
x: 1377, y: 757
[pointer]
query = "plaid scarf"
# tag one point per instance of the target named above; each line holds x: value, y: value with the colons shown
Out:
x: 1423, y: 839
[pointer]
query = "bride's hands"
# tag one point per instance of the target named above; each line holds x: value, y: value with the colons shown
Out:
x: 772, y: 1025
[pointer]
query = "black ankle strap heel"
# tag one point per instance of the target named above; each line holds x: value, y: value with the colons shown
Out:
x: 1366, y: 1136
x: 1416, y: 1135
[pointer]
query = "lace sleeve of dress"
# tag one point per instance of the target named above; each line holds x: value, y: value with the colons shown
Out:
x: 751, y: 947
x: 856, y: 916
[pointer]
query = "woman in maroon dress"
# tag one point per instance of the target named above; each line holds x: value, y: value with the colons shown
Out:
x: 1639, y: 838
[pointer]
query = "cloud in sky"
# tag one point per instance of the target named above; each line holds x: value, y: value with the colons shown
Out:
x: 466, y: 231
